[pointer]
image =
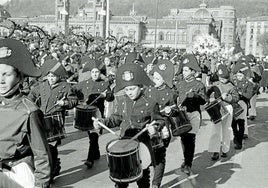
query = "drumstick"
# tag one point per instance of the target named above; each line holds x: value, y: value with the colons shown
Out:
x: 52, y: 107
x: 174, y: 105
x: 96, y: 99
x: 139, y: 133
x: 104, y: 126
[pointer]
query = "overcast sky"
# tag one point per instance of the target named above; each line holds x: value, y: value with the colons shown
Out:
x: 3, y: 1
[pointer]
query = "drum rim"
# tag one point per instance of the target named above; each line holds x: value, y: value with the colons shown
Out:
x: 182, y: 126
x: 212, y: 104
x: 127, y: 180
x: 132, y: 150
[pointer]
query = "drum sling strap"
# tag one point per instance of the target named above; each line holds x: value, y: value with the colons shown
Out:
x: 4, y: 166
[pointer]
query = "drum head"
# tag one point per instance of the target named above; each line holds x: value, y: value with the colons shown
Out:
x: 145, y: 156
x: 122, y: 146
x: 86, y: 107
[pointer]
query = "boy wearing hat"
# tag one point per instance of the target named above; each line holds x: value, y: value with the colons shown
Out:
x: 191, y: 94
x: 220, y: 138
x: 134, y: 111
x: 242, y: 74
x: 85, y: 89
x: 24, y: 152
x: 55, y: 96
x: 162, y: 76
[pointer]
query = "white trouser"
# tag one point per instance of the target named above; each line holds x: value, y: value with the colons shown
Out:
x: 243, y: 115
x: 21, y: 174
x: 195, y: 120
x: 252, y: 110
x: 221, y: 133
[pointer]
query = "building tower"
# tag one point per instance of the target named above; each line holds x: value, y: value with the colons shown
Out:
x: 62, y: 11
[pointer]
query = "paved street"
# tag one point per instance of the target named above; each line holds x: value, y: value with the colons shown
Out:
x: 246, y: 168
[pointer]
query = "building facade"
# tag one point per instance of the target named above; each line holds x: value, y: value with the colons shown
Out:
x: 255, y: 27
x: 181, y: 26
x: 177, y: 30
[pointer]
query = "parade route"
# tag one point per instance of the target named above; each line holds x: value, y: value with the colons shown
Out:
x: 246, y: 168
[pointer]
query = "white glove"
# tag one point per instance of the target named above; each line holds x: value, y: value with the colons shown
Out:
x: 96, y: 124
x: 151, y: 129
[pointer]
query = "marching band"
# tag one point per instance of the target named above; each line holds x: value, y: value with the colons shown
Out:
x: 150, y: 96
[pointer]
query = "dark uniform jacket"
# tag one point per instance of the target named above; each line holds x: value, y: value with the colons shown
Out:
x: 245, y: 89
x: 89, y: 87
x: 191, y: 94
x: 219, y: 88
x: 47, y: 97
x: 133, y: 115
x: 21, y: 137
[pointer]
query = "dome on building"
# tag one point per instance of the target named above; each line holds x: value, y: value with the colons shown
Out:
x: 202, y: 12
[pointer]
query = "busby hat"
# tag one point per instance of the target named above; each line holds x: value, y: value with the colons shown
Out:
x: 223, y: 71
x: 242, y: 66
x: 15, y: 53
x: 133, y: 56
x: 189, y: 60
x: 166, y: 69
x: 55, y: 67
x: 94, y: 63
x: 131, y: 74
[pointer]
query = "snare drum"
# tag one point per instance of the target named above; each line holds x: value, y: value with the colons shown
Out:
x: 54, y: 127
x: 83, y: 117
x: 216, y: 110
x: 180, y: 124
x: 124, y: 160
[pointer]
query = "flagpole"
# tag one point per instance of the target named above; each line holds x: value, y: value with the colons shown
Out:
x: 156, y: 19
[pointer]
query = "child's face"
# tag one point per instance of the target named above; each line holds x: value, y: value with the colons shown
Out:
x: 240, y: 76
x: 8, y: 78
x: 132, y: 92
x: 95, y: 74
x: 52, y: 78
x: 187, y: 72
x: 158, y: 79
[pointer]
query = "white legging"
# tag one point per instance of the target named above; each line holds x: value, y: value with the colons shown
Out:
x: 221, y: 133
x: 20, y: 176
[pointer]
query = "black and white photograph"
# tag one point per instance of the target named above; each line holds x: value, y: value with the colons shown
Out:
x: 133, y: 93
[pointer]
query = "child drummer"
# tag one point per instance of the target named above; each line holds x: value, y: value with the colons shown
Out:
x: 55, y: 96
x: 245, y: 88
x: 134, y: 111
x: 162, y: 75
x: 94, y: 85
x: 191, y: 94
x: 221, y: 132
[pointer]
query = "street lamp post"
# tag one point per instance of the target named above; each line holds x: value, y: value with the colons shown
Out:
x: 176, y: 33
x: 156, y: 19
x: 107, y: 18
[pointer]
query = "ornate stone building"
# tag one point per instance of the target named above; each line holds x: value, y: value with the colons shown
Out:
x: 254, y: 28
x: 181, y: 26
x: 178, y: 29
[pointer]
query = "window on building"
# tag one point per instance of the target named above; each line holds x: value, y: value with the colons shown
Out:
x: 161, y: 36
x: 184, y: 37
x: 251, y: 30
x: 168, y: 36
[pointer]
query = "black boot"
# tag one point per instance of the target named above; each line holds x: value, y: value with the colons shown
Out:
x: 94, y: 146
x: 55, y: 161
x: 241, y: 129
